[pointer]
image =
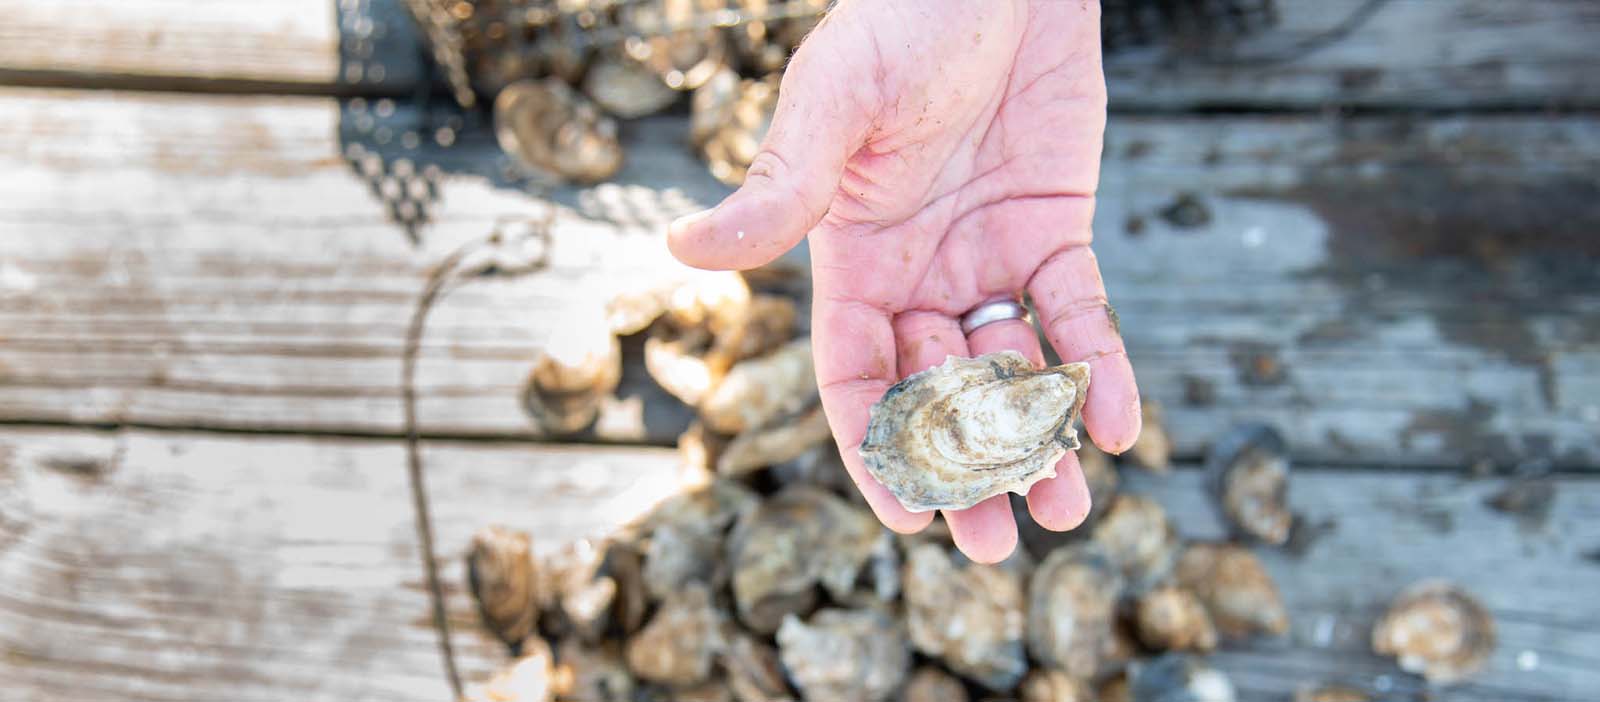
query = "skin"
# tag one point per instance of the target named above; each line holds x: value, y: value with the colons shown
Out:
x: 939, y: 153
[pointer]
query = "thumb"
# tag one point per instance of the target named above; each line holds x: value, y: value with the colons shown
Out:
x: 819, y: 123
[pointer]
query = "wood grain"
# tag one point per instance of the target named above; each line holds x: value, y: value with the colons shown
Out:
x: 151, y: 565
x: 1381, y: 531
x: 157, y: 566
x: 279, y: 46
x: 1403, y: 290
x: 1471, y: 54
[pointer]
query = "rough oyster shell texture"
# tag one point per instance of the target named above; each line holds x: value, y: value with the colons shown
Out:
x: 1235, y: 589
x: 930, y: 684
x: 1172, y: 618
x: 753, y: 671
x: 531, y: 678
x: 972, y: 428
x: 1175, y: 677
x: 1138, y: 538
x: 1072, y: 611
x: 1046, y: 685
x: 686, y: 537
x: 784, y: 549
x: 1249, y: 467
x: 503, y: 577
x: 593, y: 673
x: 844, y: 654
x: 1437, y: 630
x: 971, y: 617
x: 682, y: 641
x: 572, y: 378
x: 1153, y: 450
x: 546, y: 125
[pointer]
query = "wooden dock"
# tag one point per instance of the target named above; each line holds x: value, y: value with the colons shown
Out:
x: 1382, y: 241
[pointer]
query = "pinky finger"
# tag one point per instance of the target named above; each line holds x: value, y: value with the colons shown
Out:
x: 1079, y: 322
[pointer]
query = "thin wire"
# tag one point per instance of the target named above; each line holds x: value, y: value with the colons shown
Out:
x: 435, y: 288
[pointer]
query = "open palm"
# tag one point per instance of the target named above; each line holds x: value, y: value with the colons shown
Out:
x: 940, y: 153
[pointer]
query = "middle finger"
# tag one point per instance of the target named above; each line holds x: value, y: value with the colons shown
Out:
x: 984, y: 532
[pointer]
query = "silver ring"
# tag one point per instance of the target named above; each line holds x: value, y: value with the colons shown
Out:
x: 991, y: 312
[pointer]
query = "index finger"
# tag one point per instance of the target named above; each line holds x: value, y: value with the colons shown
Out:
x: 853, y: 348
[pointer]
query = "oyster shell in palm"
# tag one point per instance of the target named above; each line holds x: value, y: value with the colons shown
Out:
x: 951, y: 436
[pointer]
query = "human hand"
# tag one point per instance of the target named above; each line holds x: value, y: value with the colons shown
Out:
x: 940, y: 153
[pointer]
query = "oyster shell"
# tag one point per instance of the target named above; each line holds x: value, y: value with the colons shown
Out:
x: 681, y: 642
x: 839, y: 654
x: 798, y: 539
x: 585, y: 587
x: 1072, y: 611
x: 1153, y: 450
x: 709, y: 691
x: 754, y: 42
x: 930, y: 684
x: 1138, y: 537
x: 685, y: 537
x: 954, y: 435
x: 754, y: 674
x: 1044, y: 685
x: 531, y: 678
x: 1250, y: 469
x: 625, y: 87
x: 1330, y: 693
x: 592, y: 674
x: 822, y: 467
x: 1235, y: 588
x: 1175, y: 677
x: 712, y: 105
x: 733, y: 146
x: 1437, y: 630
x: 1114, y: 689
x: 791, y: 32
x: 689, y: 351
x: 970, y: 616
x: 548, y: 126
x: 676, y: 360
x: 631, y: 311
x: 685, y: 58
x: 1170, y: 618
x: 572, y: 378
x: 783, y: 440
x: 708, y: 298
x: 751, y: 330
x: 759, y: 390
x: 503, y: 578
x: 699, y: 450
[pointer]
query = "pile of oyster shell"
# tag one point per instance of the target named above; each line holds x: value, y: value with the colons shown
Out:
x: 561, y: 72
x: 771, y: 580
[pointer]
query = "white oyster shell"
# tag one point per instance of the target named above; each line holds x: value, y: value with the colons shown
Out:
x: 951, y: 436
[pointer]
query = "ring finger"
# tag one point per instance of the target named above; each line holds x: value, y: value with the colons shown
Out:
x: 1061, y: 502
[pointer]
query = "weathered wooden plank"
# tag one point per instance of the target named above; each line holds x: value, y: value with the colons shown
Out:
x: 320, y: 46
x: 172, y: 566
x: 1378, y: 53
x: 159, y: 566
x: 1475, y: 53
x: 1385, y: 289
x: 296, y: 285
x: 1380, y: 531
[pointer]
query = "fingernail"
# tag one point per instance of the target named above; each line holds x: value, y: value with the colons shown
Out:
x: 682, y: 223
